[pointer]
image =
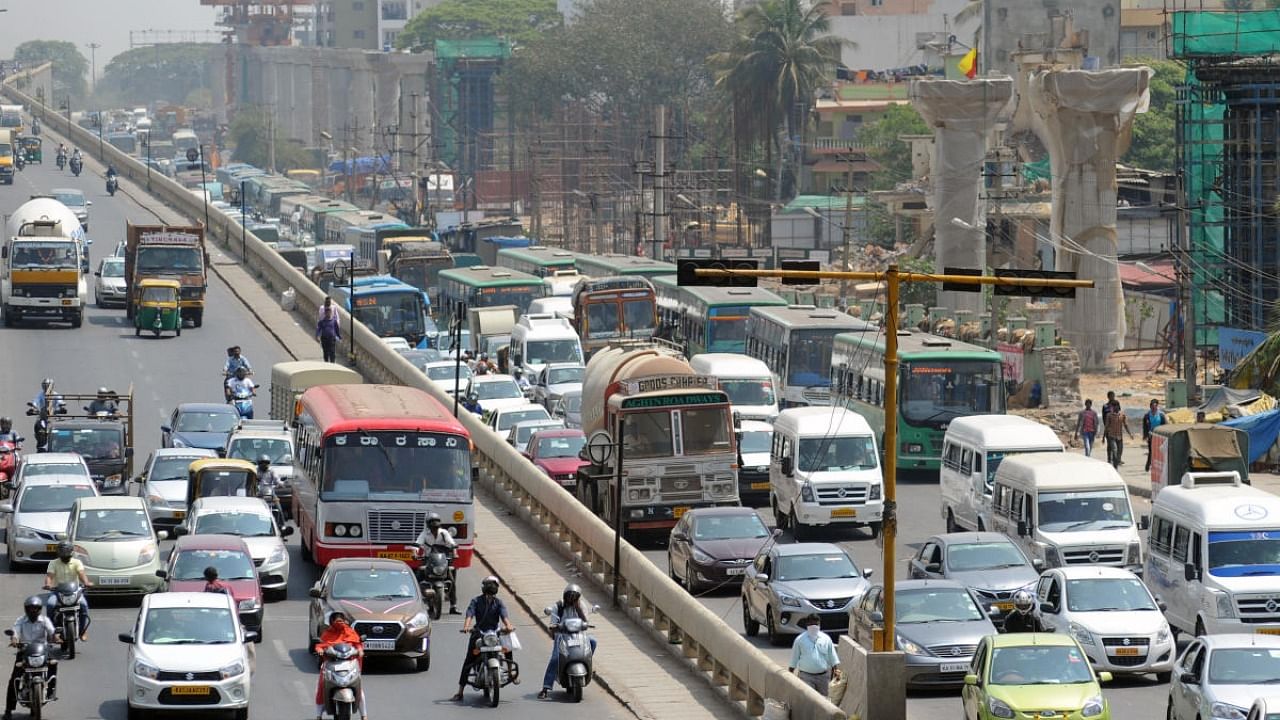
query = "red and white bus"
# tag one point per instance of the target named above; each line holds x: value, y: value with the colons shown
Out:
x: 373, y: 461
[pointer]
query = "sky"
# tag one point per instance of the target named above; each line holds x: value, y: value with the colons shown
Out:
x: 105, y: 22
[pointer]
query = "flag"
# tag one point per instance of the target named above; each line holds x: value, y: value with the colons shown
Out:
x: 969, y: 64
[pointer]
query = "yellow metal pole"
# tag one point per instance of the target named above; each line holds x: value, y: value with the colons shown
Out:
x: 889, y: 555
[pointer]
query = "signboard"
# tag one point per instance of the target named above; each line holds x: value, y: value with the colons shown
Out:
x: 168, y: 238
x: 1011, y: 358
x: 664, y: 383
x: 1234, y: 344
x: 661, y: 401
x: 822, y: 256
x: 735, y: 252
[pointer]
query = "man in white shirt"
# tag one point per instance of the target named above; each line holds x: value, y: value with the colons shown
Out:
x: 436, y: 534
x: 813, y: 656
x: 32, y: 627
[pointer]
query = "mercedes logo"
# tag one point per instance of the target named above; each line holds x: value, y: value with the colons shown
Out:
x: 682, y: 484
x: 955, y: 651
x: 377, y: 629
x: 1272, y: 605
x: 841, y: 492
x: 395, y: 524
x: 1251, y: 512
x: 1093, y: 556
x: 191, y: 676
x: 1126, y: 641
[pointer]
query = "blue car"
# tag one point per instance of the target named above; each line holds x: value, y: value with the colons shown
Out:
x: 199, y: 425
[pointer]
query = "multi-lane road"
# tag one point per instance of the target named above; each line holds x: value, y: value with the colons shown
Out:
x: 167, y: 371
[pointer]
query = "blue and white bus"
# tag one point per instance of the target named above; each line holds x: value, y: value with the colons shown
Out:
x: 390, y: 308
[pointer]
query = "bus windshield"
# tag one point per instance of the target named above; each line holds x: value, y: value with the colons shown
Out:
x: 935, y: 392
x: 518, y: 295
x: 393, y: 466
x: 748, y: 392
x: 727, y: 329
x: 639, y: 314
x: 602, y: 320
x: 391, y: 314
x: 809, y: 363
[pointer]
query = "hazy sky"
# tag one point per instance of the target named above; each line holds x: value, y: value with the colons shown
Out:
x: 105, y: 22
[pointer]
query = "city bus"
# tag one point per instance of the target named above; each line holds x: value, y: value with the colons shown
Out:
x: 795, y: 342
x: 388, y: 307
x: 708, y: 319
x: 606, y: 309
x: 538, y: 260
x: 373, y: 462
x: 486, y: 238
x: 939, y: 380
x: 483, y: 286
x: 313, y: 211
x: 613, y: 265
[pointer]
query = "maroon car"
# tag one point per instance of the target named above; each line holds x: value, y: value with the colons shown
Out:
x: 555, y: 452
x: 191, y: 554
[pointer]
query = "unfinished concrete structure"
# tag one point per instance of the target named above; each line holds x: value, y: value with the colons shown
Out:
x: 963, y: 114
x: 1087, y: 117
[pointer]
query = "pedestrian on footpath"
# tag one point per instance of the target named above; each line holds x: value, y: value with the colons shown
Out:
x: 1116, y: 425
x: 1154, y: 418
x: 329, y: 332
x: 813, y: 656
x: 1111, y: 405
x: 1087, y: 427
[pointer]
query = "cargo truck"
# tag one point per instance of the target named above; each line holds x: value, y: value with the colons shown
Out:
x: 1191, y: 450
x: 168, y: 252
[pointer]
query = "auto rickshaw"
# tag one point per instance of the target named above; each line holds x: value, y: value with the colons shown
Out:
x: 221, y: 477
x: 157, y: 309
x: 32, y: 149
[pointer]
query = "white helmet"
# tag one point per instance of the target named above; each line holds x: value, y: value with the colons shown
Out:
x: 1023, y: 602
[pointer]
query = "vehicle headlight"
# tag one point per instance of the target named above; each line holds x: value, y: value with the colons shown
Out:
x: 232, y: 670
x: 112, y: 481
x: 1224, y: 711
x: 702, y: 557
x: 874, y: 494
x: 1164, y: 635
x: 146, y: 554
x: 25, y: 533
x: 806, y: 492
x: 249, y: 605
x: 417, y: 622
x: 998, y: 708
x: 909, y: 647
x: 1093, y: 706
x: 1134, y: 556
x: 277, y: 556
x: 145, y: 669
x: 178, y: 442
x: 154, y: 499
x: 1052, y: 557
x: 1081, y: 634
x: 762, y: 469
x: 1226, y: 609
x: 789, y: 601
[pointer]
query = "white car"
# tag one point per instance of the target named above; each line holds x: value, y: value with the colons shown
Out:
x: 187, y: 652
x: 495, y: 391
x: 503, y: 418
x: 397, y: 343
x: 108, y: 289
x: 445, y: 372
x: 163, y: 483
x: 1219, y: 676
x: 250, y: 519
x: 1111, y: 614
x: 39, y: 514
x: 63, y: 463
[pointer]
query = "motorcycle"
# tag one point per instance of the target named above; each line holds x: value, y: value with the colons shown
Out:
x: 32, y: 684
x: 267, y: 491
x: 112, y: 185
x: 67, y: 616
x: 435, y: 579
x: 76, y: 166
x: 574, y: 653
x: 19, y: 161
x: 341, y: 672
x: 62, y: 161
x: 42, y: 423
x: 495, y: 669
x: 35, y: 127
x: 243, y: 402
x: 10, y: 457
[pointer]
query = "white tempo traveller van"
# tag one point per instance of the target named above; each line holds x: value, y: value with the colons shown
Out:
x: 824, y: 470
x: 1213, y: 556
x: 972, y: 451
x: 1066, y: 509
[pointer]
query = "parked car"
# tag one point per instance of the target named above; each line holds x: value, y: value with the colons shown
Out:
x: 38, y: 514
x: 108, y: 288
x: 115, y: 540
x: 385, y: 605
x: 556, y: 452
x: 184, y: 572
x: 554, y: 381
x: 569, y: 409
x: 501, y: 419
x: 199, y: 425
x: 51, y: 463
x: 1016, y: 675
x: 1218, y: 676
x: 249, y: 519
x: 518, y: 435
x: 711, y: 547
x: 938, y: 625
x: 988, y: 563
x: 163, y: 483
x: 785, y: 583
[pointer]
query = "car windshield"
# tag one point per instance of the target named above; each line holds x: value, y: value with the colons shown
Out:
x: 557, y: 376
x: 171, y: 467
x: 231, y: 564
x: 278, y: 449
x: 1245, y: 553
x: 936, y: 606
x: 244, y: 524
x: 729, y: 527
x: 983, y: 556
x: 112, y: 268
x: 755, y: 441
x: 52, y: 498
x: 749, y: 392
x: 38, y: 469
x: 1081, y: 511
x: 509, y: 418
x: 213, y: 422
x: 1108, y: 595
x: 561, y: 447
x: 497, y: 390
x: 1039, y: 665
x: 835, y: 454
x: 524, y: 432
x: 112, y: 525
x: 1244, y: 666
x: 573, y: 403
x: 446, y: 373
x: 188, y: 626
x: 105, y: 443
x: 70, y: 199
x: 379, y: 584
x: 816, y: 566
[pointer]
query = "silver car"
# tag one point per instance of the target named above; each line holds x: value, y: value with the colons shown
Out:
x: 75, y: 201
x: 448, y: 373
x: 786, y: 583
x: 1218, y: 676
x: 569, y: 409
x: 250, y: 519
x: 518, y: 435
x: 108, y: 288
x: 988, y: 563
x: 554, y: 381
x: 164, y: 483
x: 51, y: 463
x: 38, y: 516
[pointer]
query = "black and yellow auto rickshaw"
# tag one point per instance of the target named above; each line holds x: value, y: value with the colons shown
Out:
x: 32, y: 149
x: 221, y: 477
x: 157, y: 309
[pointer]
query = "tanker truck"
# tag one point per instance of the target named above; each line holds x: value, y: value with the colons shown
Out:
x: 42, y: 272
x: 677, y: 440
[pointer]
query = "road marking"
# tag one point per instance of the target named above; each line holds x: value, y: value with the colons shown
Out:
x: 305, y: 697
x: 281, y: 650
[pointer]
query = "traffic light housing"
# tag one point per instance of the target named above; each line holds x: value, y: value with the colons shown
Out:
x: 1011, y: 283
x: 961, y: 287
x: 813, y: 265
x: 685, y: 274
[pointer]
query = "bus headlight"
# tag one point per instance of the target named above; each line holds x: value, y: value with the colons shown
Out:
x: 335, y: 529
x: 806, y: 493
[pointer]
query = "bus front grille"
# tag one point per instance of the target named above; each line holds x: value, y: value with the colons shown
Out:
x: 395, y: 526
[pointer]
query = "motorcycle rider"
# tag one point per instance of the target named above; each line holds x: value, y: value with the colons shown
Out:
x: 485, y: 613
x: 521, y: 380
x: 111, y: 171
x: 62, y: 153
x: 338, y: 630
x: 32, y: 627
x: 472, y: 403
x: 46, y: 401
x: 67, y: 569
x: 239, y: 385
x: 435, y: 534
x: 102, y: 404
x: 234, y: 360
x: 569, y: 606
x: 1020, y: 618
x: 6, y: 431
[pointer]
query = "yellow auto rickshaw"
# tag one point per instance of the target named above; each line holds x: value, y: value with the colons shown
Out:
x: 32, y: 149
x: 221, y: 477
x: 157, y: 309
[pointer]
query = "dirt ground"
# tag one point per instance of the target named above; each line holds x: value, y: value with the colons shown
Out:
x: 1135, y: 375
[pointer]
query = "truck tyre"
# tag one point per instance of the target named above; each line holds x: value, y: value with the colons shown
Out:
x: 77, y: 319
x: 197, y: 318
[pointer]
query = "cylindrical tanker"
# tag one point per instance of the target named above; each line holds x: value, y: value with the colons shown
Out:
x: 42, y: 272
x: 610, y: 366
x: 45, y: 208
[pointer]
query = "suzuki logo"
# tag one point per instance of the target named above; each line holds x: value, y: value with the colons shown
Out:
x: 377, y: 629
x: 191, y: 676
x: 682, y: 484
x: 831, y: 603
x: 1126, y: 641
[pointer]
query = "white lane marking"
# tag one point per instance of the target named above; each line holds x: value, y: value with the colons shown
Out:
x: 307, y: 698
x: 281, y: 650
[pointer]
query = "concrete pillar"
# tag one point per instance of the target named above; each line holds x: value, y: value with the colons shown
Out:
x: 1087, y: 117
x: 963, y: 114
x: 877, y: 682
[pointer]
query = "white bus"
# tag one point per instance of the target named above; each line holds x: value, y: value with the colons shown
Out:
x: 796, y: 343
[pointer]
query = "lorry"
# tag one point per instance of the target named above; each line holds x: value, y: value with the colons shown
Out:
x: 1186, y: 450
x: 104, y: 439
x: 491, y: 330
x: 8, y: 147
x: 371, y: 238
x: 677, y: 445
x: 11, y: 118
x: 414, y: 259
x: 167, y: 252
x: 42, y: 273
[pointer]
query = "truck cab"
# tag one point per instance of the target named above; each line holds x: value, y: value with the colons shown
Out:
x: 41, y: 271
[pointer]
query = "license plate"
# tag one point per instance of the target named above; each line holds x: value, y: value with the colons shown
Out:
x: 396, y: 555
x: 51, y: 548
x: 954, y: 667
x: 678, y: 512
x: 66, y: 302
x: 1004, y: 606
x: 1268, y: 631
x: 1129, y: 651
x: 573, y: 641
x: 844, y: 512
x: 380, y: 644
x: 760, y: 486
x: 179, y: 514
x: 107, y: 580
x: 734, y: 571
x: 189, y: 690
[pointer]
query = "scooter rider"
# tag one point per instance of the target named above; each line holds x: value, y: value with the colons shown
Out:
x: 234, y: 361
x: 102, y: 404
x: 569, y: 606
x: 486, y: 612
x: 435, y: 534
x: 241, y: 384
x: 1020, y: 618
x: 67, y: 569
x: 338, y: 630
x: 472, y: 403
x: 6, y: 431
x: 521, y: 380
x: 32, y: 627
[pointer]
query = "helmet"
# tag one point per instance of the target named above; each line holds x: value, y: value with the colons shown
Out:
x: 242, y: 372
x: 103, y: 392
x: 1022, y: 601
x: 210, y: 574
x: 433, y: 520
x: 6, y: 421
x: 264, y: 460
x: 336, y: 615
x: 572, y: 593
x: 517, y: 373
x: 489, y: 585
x: 65, y: 550
x: 32, y: 606
x: 46, y: 383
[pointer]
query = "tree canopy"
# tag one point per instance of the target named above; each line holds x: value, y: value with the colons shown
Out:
x: 892, y: 153
x: 167, y: 73
x: 1152, y: 142
x: 69, y: 66
x: 248, y: 135
x: 519, y: 21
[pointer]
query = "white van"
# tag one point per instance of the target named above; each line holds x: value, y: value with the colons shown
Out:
x: 1213, y: 555
x: 557, y: 305
x: 1066, y: 509
x: 746, y: 380
x: 824, y: 470
x: 971, y: 453
x: 539, y: 339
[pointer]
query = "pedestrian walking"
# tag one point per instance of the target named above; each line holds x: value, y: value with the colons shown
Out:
x: 1112, y: 404
x: 1154, y: 418
x: 813, y: 656
x: 1087, y: 427
x: 1116, y: 425
x: 329, y: 332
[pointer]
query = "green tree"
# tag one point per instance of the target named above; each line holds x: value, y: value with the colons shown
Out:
x: 164, y: 73
x: 69, y: 66
x: 519, y: 21
x: 1152, y: 141
x: 888, y: 149
x: 248, y: 136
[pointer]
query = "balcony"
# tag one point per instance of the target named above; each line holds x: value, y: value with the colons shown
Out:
x: 826, y: 145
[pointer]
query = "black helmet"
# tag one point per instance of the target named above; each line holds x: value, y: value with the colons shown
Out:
x: 6, y: 421
x: 572, y: 594
x: 210, y: 574
x: 433, y: 520
x: 65, y: 550
x: 32, y: 606
x: 489, y: 586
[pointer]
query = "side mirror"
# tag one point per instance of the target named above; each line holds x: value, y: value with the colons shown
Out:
x: 1144, y: 522
x: 179, y: 530
x: 1162, y: 605
x: 933, y: 567
x: 163, y: 575
x: 876, y: 617
x: 6, y: 508
x: 286, y: 531
x: 1189, y: 572
x: 788, y: 466
x: 1186, y: 678
x: 1048, y: 607
x: 1104, y: 676
x: 252, y: 636
x: 866, y: 573
x: 88, y: 203
x: 1022, y: 527
x: 128, y: 452
x: 1038, y: 564
x: 162, y: 534
x: 8, y: 632
x: 971, y: 679
x: 97, y: 274
x: 674, y: 536
x: 126, y: 638
x: 762, y: 578
x: 315, y: 591
x: 166, y: 428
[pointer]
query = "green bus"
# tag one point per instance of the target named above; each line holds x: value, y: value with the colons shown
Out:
x: 483, y: 286
x: 537, y: 260
x: 613, y: 265
x: 708, y: 319
x: 939, y: 380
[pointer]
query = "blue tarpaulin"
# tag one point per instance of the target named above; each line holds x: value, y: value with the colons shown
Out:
x: 1263, y: 430
x: 362, y: 165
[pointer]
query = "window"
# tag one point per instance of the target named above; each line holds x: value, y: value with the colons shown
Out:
x: 966, y: 459
x: 358, y: 5
x: 1161, y: 536
x: 1016, y: 507
x: 1181, y: 538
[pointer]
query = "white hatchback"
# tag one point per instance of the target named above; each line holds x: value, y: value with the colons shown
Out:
x: 51, y: 463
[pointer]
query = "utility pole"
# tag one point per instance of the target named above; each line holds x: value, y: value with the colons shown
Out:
x: 1186, y: 292
x: 660, y: 183
x: 93, y: 66
x: 271, y: 139
x: 847, y: 230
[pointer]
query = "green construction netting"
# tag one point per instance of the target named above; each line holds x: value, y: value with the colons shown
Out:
x: 1216, y: 34
x: 1036, y: 170
x: 1201, y: 135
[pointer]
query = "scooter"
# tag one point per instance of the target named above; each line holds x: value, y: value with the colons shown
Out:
x: 62, y: 161
x: 494, y: 669
x: 10, y: 458
x: 67, y: 616
x: 32, y: 684
x: 19, y: 161
x: 341, y: 672
x: 76, y: 166
x: 244, y: 403
x: 112, y: 185
x: 574, y: 653
x: 436, y: 580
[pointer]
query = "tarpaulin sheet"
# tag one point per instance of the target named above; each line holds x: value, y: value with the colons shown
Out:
x: 1210, y: 34
x: 1263, y: 430
x: 1225, y: 396
x: 362, y: 165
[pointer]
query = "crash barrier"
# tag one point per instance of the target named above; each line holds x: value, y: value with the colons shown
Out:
x: 713, y: 648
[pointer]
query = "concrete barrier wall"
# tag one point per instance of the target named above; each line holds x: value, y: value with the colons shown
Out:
x: 730, y: 662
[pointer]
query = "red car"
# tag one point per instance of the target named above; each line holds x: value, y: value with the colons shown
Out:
x: 555, y: 452
x: 191, y: 554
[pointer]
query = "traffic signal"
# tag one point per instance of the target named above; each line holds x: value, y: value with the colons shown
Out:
x: 961, y: 287
x: 800, y: 265
x: 1011, y: 283
x: 685, y: 274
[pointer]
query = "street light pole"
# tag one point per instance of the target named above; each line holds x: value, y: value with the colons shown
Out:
x: 93, y: 66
